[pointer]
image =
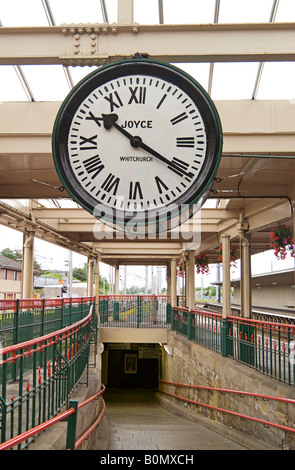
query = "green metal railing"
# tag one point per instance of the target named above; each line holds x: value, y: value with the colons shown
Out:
x: 47, y: 370
x: 134, y: 311
x: 265, y: 346
x: 25, y: 319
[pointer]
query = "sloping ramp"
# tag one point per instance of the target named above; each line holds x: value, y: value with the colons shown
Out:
x: 138, y: 422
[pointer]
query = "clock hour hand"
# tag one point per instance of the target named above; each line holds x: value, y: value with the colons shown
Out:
x: 178, y: 166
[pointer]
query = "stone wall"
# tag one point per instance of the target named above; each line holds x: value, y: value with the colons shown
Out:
x: 193, y: 364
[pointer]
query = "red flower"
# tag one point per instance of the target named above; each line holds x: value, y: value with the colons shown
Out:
x: 282, y: 239
x: 202, y: 262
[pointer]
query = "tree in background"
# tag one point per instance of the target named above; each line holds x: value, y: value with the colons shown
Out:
x: 80, y: 274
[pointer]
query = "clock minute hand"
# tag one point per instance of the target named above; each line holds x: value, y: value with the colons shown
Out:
x: 175, y: 165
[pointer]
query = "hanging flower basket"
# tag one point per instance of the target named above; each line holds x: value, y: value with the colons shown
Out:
x: 181, y: 269
x: 282, y: 241
x: 233, y: 255
x: 202, y: 264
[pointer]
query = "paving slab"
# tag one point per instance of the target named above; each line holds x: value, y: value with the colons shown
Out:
x: 138, y: 422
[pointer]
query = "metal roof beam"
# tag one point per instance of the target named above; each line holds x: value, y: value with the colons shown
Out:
x: 100, y: 43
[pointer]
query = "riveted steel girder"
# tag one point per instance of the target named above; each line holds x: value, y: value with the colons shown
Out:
x: 97, y: 44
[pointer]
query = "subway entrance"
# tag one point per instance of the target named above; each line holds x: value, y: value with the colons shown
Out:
x: 131, y: 365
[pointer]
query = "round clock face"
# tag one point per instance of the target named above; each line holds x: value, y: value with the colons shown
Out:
x: 136, y: 139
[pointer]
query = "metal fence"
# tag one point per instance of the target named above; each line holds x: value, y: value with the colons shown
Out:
x: 265, y: 346
x: 47, y: 369
x: 134, y: 311
x: 22, y: 320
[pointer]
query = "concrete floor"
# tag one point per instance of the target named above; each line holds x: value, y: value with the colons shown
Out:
x: 138, y: 422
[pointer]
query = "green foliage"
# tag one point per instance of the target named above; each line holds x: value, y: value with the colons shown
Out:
x: 17, y: 255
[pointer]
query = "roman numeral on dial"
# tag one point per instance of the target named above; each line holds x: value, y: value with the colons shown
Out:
x: 88, y: 143
x: 111, y: 183
x: 93, y: 165
x: 160, y: 185
x: 135, y: 191
x: 91, y: 117
x: 138, y: 95
x: 114, y: 100
x: 185, y: 142
x: 178, y: 118
x: 180, y: 168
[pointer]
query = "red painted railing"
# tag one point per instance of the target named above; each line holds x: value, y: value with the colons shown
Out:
x: 61, y: 416
x: 233, y: 413
x: 48, y: 368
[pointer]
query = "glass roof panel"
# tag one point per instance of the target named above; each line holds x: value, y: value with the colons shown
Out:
x: 75, y: 11
x: 188, y: 11
x: 286, y: 11
x: 234, y: 80
x: 277, y: 81
x: 78, y: 73
x: 47, y: 82
x: 146, y: 12
x: 250, y: 11
x: 22, y: 13
x: 10, y: 87
x: 230, y: 81
x: 200, y: 72
x: 112, y: 9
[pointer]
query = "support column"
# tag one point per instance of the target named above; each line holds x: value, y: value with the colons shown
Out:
x: 173, y: 283
x: 125, y: 11
x: 90, y: 277
x: 226, y: 290
x: 186, y: 295
x: 96, y: 283
x: 190, y: 280
x: 117, y: 278
x: 28, y: 266
x: 245, y: 256
x: 293, y: 287
x: 246, y: 294
x: 168, y: 281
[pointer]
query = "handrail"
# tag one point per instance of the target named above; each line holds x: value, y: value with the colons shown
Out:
x: 233, y: 413
x: 45, y: 363
x: 41, y: 339
x: 61, y: 416
x: 261, y: 322
x: 97, y: 421
x: 36, y: 430
x: 225, y: 390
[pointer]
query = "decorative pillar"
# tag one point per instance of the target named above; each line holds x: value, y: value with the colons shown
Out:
x: 96, y: 283
x: 293, y: 286
x: 246, y: 294
x: 90, y: 277
x: 28, y: 266
x: 186, y: 285
x: 173, y: 283
x: 226, y: 290
x: 117, y: 278
x: 190, y: 280
x: 245, y: 265
x: 168, y: 281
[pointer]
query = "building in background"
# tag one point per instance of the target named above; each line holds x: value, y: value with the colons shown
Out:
x: 10, y: 278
